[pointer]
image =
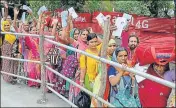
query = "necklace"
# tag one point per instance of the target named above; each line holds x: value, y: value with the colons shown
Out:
x: 158, y: 73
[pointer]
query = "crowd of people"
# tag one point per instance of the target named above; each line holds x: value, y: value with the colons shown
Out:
x: 147, y: 93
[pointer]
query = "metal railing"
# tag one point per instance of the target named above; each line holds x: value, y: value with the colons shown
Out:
x: 24, y: 34
x: 43, y: 73
x: 22, y: 77
x: 148, y: 76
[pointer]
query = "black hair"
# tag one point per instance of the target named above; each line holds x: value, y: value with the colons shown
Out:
x: 117, y: 50
x: 76, y: 29
x: 81, y: 31
x: 167, y: 68
x: 133, y: 35
x: 90, y: 36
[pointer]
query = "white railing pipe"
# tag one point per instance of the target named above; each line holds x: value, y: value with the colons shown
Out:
x: 23, y: 60
x: 24, y: 34
x: 22, y: 77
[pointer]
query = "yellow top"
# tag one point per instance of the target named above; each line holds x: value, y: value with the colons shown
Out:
x: 90, y: 64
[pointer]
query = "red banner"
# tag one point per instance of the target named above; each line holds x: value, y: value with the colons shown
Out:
x: 83, y: 18
x: 145, y: 23
x: 95, y: 27
x: 113, y: 15
x: 138, y: 23
x: 147, y: 35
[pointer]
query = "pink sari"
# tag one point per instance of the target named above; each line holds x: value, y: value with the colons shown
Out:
x: 74, y: 91
x: 32, y: 53
x: 47, y: 47
x: 82, y: 46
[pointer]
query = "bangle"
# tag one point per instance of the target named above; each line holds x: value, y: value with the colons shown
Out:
x: 132, y: 85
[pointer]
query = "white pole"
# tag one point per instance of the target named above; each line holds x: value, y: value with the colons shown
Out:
x: 148, y: 76
x: 22, y: 60
x: 66, y: 100
x: 32, y: 35
x: 38, y: 81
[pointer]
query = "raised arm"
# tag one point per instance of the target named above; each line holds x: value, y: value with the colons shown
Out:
x: 115, y: 79
x: 32, y: 46
x: 33, y: 17
x: 66, y: 31
x: 54, y: 24
x: 115, y: 74
x: 16, y: 11
x: 5, y: 10
x: 39, y: 21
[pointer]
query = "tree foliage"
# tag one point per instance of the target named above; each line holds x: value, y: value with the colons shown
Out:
x: 50, y: 4
x: 77, y: 4
x: 153, y: 8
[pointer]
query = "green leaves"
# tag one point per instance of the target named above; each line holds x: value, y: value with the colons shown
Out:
x: 157, y: 8
x: 35, y: 6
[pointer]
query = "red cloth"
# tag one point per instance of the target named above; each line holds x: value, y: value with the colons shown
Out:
x: 107, y: 89
x: 153, y: 94
x: 30, y: 43
x: 125, y: 36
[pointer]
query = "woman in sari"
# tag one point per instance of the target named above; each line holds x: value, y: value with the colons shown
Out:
x: 153, y: 94
x: 81, y: 41
x: 74, y: 33
x: 9, y: 66
x: 29, y: 50
x: 110, y: 50
x: 33, y: 54
x: 118, y: 77
x: 44, y: 23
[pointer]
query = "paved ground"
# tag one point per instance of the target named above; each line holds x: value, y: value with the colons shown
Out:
x: 20, y: 95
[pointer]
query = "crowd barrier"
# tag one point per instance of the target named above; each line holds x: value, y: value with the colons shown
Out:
x: 44, y: 64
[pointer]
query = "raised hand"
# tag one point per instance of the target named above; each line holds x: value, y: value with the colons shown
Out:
x: 122, y: 71
x: 54, y: 22
x: 108, y: 16
x: 16, y: 11
x: 69, y: 18
x: 90, y: 29
x: 5, y: 4
x: 113, y: 27
x: 30, y: 12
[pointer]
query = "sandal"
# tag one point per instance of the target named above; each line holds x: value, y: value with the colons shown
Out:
x: 13, y: 82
